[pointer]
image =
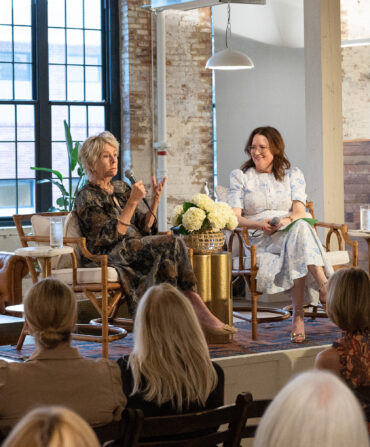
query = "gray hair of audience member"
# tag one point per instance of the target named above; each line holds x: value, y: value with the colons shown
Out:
x: 91, y: 149
x: 348, y: 299
x: 315, y: 409
x: 50, y: 311
x: 52, y: 427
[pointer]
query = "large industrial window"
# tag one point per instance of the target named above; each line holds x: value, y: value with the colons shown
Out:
x: 58, y: 61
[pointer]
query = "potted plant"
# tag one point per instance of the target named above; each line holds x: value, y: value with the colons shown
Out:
x: 66, y: 201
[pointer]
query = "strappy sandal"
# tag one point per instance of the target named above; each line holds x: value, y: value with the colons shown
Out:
x: 322, y: 299
x: 297, y: 337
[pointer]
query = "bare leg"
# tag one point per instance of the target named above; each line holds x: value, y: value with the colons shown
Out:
x: 207, y: 320
x: 318, y: 273
x: 297, y: 292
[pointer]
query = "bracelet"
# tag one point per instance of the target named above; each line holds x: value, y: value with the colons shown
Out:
x: 123, y: 223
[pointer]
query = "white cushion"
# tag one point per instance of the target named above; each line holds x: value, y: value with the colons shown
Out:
x: 71, y: 229
x: 85, y: 275
x: 339, y: 257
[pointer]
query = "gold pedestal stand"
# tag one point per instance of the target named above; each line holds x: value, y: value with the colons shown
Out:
x: 213, y: 273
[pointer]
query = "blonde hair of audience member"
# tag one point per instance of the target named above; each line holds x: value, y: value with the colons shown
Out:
x: 315, y: 409
x: 52, y: 427
x: 348, y: 299
x: 167, y: 337
x: 50, y: 311
x: 91, y: 149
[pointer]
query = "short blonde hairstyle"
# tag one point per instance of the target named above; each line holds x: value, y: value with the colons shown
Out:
x: 91, y: 149
x: 50, y: 309
x: 170, y: 351
x: 348, y: 299
x: 52, y: 427
x: 315, y: 409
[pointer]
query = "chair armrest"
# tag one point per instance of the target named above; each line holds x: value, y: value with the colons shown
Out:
x: 244, y: 244
x: 12, y: 269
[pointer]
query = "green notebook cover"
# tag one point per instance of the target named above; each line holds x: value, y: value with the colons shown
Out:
x: 307, y: 219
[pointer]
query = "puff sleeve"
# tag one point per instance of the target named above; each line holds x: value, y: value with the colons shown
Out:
x: 236, y: 191
x: 298, y: 185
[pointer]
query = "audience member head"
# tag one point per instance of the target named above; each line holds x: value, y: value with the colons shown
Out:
x: 52, y: 427
x: 348, y: 299
x: 277, y: 147
x: 314, y: 409
x: 92, y: 148
x: 50, y: 310
x: 167, y: 337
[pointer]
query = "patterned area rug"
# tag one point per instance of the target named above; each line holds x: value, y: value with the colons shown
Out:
x: 271, y: 337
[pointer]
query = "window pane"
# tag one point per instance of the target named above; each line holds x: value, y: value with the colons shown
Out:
x: 93, y: 84
x: 7, y: 197
x: 22, y: 12
x: 75, y: 83
x: 60, y: 159
x: 6, y: 81
x: 6, y: 52
x: 56, y: 13
x: 74, y: 46
x: 25, y: 123
x: 6, y: 12
x: 57, y: 82
x: 22, y: 44
x: 7, y: 166
x: 58, y: 115
x: 92, y: 14
x: 74, y: 14
x: 23, y: 81
x: 26, y: 196
x: 96, y: 120
x: 7, y: 122
x: 26, y: 159
x: 93, y: 48
x: 78, y: 123
x: 56, y: 40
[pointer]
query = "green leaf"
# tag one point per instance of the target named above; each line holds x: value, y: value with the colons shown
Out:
x: 188, y: 205
x: 183, y: 230
x: 53, y: 171
x: 61, y: 187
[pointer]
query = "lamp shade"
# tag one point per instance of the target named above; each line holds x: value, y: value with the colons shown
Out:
x: 229, y: 60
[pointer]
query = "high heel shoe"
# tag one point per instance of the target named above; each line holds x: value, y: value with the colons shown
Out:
x: 226, y: 329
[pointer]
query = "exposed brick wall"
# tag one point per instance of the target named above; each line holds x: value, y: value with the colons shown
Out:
x: 189, y: 97
x: 357, y: 187
x: 355, y: 17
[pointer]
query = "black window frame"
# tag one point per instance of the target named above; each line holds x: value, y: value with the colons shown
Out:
x: 40, y: 98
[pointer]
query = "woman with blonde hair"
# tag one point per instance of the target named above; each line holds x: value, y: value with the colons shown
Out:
x: 52, y: 427
x: 56, y: 374
x: 315, y: 409
x: 169, y: 370
x: 117, y: 221
x: 348, y: 306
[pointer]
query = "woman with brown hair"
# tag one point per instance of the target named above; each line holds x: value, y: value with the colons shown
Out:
x: 266, y: 187
x: 348, y: 306
x: 56, y: 374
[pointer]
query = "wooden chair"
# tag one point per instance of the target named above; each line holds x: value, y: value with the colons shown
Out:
x: 248, y: 270
x: 195, y: 429
x: 255, y: 409
x: 102, y: 280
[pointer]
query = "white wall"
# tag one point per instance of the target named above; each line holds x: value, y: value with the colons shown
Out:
x: 273, y: 93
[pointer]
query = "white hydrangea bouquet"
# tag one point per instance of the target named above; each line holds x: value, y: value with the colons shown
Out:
x: 202, y: 215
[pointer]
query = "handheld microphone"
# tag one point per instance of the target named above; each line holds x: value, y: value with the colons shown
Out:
x: 274, y: 222
x: 129, y: 173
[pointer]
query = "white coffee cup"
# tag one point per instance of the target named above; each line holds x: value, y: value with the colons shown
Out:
x: 56, y: 232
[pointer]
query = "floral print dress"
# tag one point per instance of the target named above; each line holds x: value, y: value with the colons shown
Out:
x: 354, y: 358
x: 283, y: 256
x: 140, y: 258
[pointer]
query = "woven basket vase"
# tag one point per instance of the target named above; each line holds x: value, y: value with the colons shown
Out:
x: 206, y: 242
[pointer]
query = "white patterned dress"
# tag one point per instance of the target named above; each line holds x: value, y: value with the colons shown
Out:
x: 285, y: 255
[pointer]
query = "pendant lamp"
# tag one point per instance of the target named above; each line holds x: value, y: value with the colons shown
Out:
x: 229, y: 59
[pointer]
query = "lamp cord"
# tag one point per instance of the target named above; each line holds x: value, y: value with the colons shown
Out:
x: 228, y: 26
